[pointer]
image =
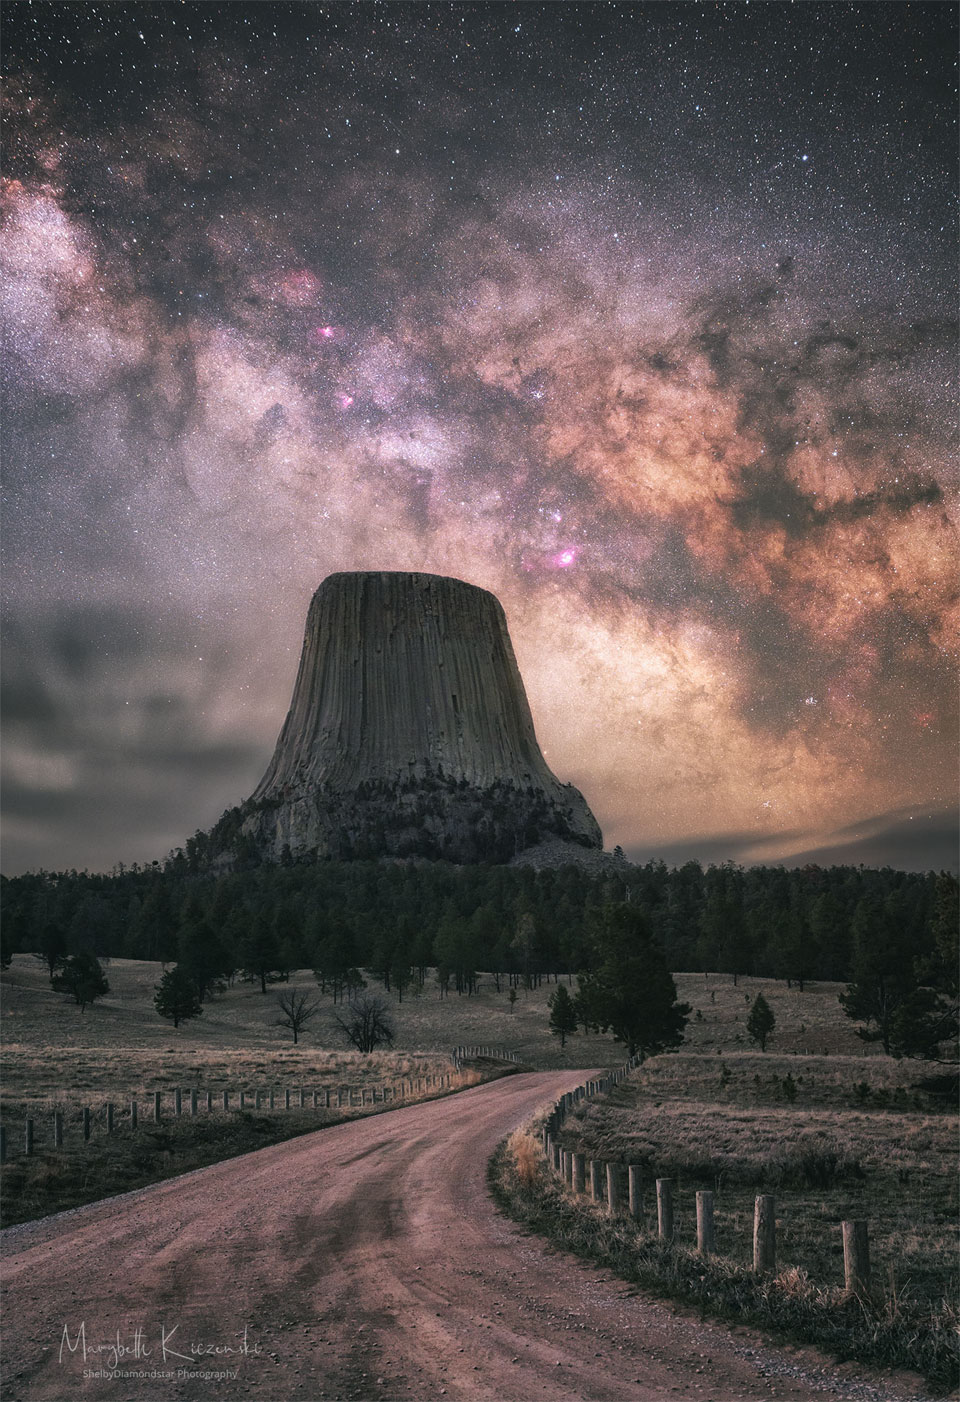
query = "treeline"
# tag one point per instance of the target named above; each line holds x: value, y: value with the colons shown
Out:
x: 810, y: 923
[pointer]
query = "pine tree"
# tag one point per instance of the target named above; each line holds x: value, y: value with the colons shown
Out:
x: 563, y: 1015
x: 760, y: 1021
x: 204, y: 957
x: 176, y: 996
x: 629, y: 991
x: 51, y: 948
x: 883, y: 969
x: 258, y: 951
x: 83, y: 977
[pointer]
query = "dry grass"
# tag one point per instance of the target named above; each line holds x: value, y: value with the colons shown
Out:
x: 59, y: 1059
x: 810, y: 1022
x: 851, y: 1138
x: 527, y: 1159
x: 894, y: 1329
x: 45, y: 1034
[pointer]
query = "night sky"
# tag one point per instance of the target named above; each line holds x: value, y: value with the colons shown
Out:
x: 641, y: 316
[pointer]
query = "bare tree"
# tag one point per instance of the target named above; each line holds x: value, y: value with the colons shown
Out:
x: 368, y: 1024
x: 296, y: 1010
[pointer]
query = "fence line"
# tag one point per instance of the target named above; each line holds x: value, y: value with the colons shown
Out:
x: 337, y: 1097
x: 461, y: 1054
x: 600, y: 1182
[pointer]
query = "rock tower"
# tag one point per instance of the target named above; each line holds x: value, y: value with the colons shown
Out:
x: 409, y: 734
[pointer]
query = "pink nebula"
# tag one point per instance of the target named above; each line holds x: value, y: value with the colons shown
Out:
x: 564, y: 560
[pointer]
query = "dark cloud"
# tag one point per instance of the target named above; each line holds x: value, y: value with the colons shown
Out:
x: 907, y: 841
x: 921, y: 841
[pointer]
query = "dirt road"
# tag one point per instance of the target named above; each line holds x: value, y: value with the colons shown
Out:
x: 364, y: 1261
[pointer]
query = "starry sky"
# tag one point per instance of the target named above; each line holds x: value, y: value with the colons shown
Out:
x: 640, y: 315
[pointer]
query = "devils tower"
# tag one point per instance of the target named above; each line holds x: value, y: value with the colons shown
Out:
x: 409, y: 734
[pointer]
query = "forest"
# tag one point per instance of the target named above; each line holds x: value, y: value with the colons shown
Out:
x: 889, y: 935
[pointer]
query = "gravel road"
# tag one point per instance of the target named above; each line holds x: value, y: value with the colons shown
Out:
x: 365, y: 1262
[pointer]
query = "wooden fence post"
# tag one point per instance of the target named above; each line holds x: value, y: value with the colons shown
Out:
x: 634, y: 1196
x: 28, y: 1137
x: 156, y: 1107
x: 109, y: 1116
x: 665, y: 1209
x: 706, y: 1238
x: 256, y: 1100
x: 856, y: 1258
x: 209, y: 1101
x: 193, y: 1102
x: 764, y: 1234
x: 596, y: 1185
x: 613, y: 1188
x: 556, y: 1157
x: 314, y: 1099
x: 57, y: 1130
x: 3, y: 1144
x: 286, y: 1100
x: 86, y: 1121
x: 226, y: 1100
x: 579, y: 1173
x: 133, y: 1114
x: 271, y: 1100
x: 301, y: 1097
x: 243, y: 1100
x: 178, y: 1101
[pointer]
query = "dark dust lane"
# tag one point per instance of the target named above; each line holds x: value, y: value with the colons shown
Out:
x: 364, y: 1262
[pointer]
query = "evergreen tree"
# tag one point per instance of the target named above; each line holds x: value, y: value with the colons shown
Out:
x: 724, y: 942
x: 175, y: 996
x: 563, y: 1014
x: 401, y: 969
x: 760, y: 1022
x: 82, y: 977
x: 830, y: 937
x: 629, y: 991
x: 334, y: 963
x: 883, y: 974
x: 204, y: 957
x: 258, y: 951
x: 51, y: 948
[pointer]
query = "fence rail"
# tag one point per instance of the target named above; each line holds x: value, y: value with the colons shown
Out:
x: 601, y: 1182
x: 176, y: 1104
x: 462, y: 1054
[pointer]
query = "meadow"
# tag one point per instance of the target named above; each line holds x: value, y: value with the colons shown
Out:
x: 718, y: 1113
x: 828, y: 1125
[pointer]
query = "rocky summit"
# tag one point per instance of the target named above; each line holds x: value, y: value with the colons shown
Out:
x: 409, y: 735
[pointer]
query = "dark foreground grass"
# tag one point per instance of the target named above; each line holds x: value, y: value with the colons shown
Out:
x: 53, y: 1180
x: 887, y: 1333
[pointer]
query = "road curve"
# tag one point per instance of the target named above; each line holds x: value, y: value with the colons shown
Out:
x: 363, y: 1261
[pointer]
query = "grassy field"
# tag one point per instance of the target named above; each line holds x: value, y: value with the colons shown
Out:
x: 120, y: 1044
x: 832, y: 1136
x: 56, y: 1057
x: 826, y: 1156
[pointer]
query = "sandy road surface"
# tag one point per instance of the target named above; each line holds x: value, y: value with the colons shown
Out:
x: 364, y: 1261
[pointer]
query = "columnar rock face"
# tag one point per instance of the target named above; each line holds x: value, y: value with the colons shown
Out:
x: 409, y: 733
